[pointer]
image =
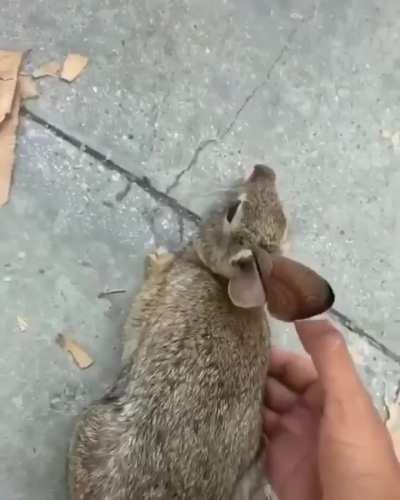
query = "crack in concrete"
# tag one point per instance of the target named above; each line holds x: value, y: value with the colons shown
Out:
x: 193, y: 161
x: 350, y: 325
x: 259, y: 86
x: 124, y: 192
x: 181, y: 228
x: 220, y: 137
x: 143, y: 182
x: 156, y: 118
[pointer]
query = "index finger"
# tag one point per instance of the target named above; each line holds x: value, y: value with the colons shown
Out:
x: 327, y: 347
x: 294, y: 370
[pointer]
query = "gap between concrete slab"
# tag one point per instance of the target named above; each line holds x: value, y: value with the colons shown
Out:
x: 143, y: 182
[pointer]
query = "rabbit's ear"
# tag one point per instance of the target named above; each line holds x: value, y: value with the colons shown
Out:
x: 234, y: 214
x: 246, y: 288
x: 291, y: 290
x: 294, y: 291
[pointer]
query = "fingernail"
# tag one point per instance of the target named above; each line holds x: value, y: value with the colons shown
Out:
x: 316, y: 323
x: 314, y: 319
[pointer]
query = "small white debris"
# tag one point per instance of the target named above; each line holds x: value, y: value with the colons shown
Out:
x: 392, y: 136
x: 22, y: 324
x: 296, y: 16
x: 396, y: 139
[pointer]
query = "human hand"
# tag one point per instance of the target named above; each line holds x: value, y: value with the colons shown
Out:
x: 325, y: 437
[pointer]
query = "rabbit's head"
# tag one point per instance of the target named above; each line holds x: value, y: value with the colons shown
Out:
x: 241, y: 241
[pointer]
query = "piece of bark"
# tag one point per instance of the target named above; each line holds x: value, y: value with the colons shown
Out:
x: 79, y: 355
x: 8, y: 131
x: 48, y: 69
x: 73, y: 66
x: 10, y: 63
x: 27, y: 87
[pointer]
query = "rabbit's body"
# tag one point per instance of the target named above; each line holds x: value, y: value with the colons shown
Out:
x: 184, y: 402
x: 183, y: 419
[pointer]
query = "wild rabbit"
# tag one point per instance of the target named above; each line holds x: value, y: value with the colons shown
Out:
x: 183, y: 419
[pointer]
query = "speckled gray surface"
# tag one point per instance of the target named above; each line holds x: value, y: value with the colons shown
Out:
x: 188, y: 94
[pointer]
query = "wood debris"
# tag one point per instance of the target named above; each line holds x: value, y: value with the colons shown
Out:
x: 22, y: 324
x: 79, y: 355
x: 106, y: 293
x: 27, y: 87
x: 16, y: 86
x: 10, y: 63
x: 48, y: 69
x: 8, y: 131
x: 73, y: 66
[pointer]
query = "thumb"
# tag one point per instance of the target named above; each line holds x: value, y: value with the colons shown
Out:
x: 357, y: 459
x: 337, y: 374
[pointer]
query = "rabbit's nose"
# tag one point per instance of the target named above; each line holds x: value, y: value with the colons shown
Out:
x: 262, y: 172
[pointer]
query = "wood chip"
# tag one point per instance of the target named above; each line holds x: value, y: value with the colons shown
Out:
x: 48, y: 69
x: 8, y: 131
x: 106, y: 293
x: 10, y: 63
x: 79, y: 355
x: 73, y: 66
x: 27, y: 87
x: 22, y: 324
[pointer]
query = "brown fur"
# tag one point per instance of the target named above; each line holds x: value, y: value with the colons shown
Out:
x: 183, y: 420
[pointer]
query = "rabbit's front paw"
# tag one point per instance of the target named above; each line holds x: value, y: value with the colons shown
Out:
x: 157, y: 262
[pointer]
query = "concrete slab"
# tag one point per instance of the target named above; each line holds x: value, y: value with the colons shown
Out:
x: 64, y: 239
x: 163, y: 76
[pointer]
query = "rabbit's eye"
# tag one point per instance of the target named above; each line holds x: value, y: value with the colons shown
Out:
x: 270, y: 248
x: 267, y: 247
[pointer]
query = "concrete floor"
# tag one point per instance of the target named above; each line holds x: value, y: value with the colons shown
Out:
x: 188, y: 94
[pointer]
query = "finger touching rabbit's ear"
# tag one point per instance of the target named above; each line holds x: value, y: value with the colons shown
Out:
x: 245, y: 288
x: 295, y: 292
